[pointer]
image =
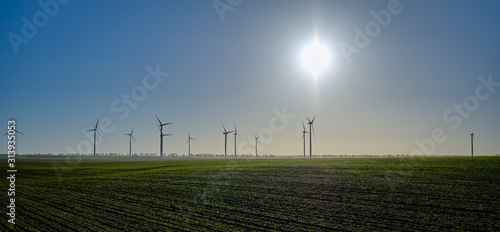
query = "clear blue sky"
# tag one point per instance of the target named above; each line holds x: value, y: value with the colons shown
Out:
x: 242, y: 69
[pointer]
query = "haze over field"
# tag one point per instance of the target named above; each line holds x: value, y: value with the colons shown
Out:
x: 402, y: 76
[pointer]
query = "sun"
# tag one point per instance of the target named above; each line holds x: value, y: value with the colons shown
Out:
x: 315, y: 58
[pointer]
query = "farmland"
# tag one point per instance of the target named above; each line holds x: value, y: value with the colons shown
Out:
x: 452, y: 193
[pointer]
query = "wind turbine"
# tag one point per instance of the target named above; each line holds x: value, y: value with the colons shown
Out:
x: 189, y: 144
x: 472, y: 143
x: 225, y: 139
x: 311, y: 132
x: 304, y: 132
x: 95, y: 130
x: 10, y: 137
x: 160, y: 126
x: 131, y: 136
x: 235, y: 134
x: 256, y: 140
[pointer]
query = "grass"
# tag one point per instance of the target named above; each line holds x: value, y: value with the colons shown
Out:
x: 436, y: 194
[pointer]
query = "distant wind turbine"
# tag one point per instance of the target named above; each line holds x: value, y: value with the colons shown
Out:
x: 304, y: 132
x: 189, y: 144
x: 256, y: 141
x: 95, y: 130
x: 225, y: 139
x: 131, y: 136
x: 311, y: 132
x: 235, y: 134
x: 8, y: 133
x: 472, y: 143
x: 160, y: 126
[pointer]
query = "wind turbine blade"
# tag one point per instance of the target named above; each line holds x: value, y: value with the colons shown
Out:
x: 224, y: 127
x: 167, y: 134
x: 132, y: 130
x: 235, y: 131
x: 158, y: 119
x: 314, y: 133
x: 313, y: 119
x: 99, y: 133
x: 90, y: 130
x: 96, y: 124
x: 133, y: 138
x: 308, y: 119
x: 230, y: 132
x: 303, y: 127
x: 14, y: 130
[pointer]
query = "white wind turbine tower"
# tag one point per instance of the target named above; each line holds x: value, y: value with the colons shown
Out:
x: 472, y: 143
x: 225, y: 139
x: 160, y: 126
x: 189, y: 144
x: 304, y: 132
x: 131, y: 136
x: 235, y: 134
x: 311, y: 132
x: 256, y: 141
x: 95, y: 130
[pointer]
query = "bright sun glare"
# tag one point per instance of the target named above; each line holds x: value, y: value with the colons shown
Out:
x: 315, y: 58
